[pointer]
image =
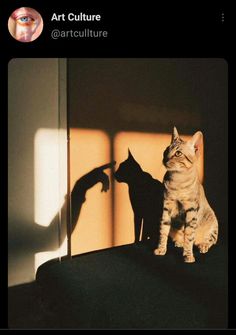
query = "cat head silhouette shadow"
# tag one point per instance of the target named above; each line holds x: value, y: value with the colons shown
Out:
x: 146, y: 198
x: 128, y: 169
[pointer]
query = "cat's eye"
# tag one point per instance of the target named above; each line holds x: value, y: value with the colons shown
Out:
x: 178, y: 153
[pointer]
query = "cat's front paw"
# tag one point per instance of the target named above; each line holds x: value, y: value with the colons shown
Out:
x: 179, y: 244
x: 189, y: 259
x: 203, y: 247
x: 160, y: 251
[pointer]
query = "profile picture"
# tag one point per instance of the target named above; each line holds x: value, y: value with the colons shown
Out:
x: 25, y: 24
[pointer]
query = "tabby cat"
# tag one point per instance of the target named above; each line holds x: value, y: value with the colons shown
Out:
x: 185, y: 201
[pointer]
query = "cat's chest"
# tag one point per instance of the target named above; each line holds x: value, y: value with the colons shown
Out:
x: 181, y: 189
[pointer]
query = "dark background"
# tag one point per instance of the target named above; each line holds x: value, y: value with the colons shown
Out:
x: 193, y: 31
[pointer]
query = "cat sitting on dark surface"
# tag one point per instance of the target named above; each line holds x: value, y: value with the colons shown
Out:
x: 145, y: 195
x: 185, y: 200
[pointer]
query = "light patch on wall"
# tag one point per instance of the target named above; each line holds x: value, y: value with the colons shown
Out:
x: 147, y: 149
x: 50, y: 176
x: 50, y: 186
x: 42, y: 257
x: 90, y: 148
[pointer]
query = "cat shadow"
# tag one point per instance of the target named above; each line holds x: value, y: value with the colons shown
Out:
x: 146, y: 198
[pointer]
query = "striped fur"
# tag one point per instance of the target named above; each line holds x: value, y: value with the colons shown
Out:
x: 187, y: 216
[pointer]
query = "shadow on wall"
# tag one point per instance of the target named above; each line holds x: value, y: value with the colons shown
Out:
x: 145, y: 195
x: 42, y: 237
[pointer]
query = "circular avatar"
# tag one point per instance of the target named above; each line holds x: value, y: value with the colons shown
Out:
x: 25, y: 24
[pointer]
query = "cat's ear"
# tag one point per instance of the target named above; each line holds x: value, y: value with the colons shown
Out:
x: 196, y: 142
x: 129, y: 154
x: 175, y: 135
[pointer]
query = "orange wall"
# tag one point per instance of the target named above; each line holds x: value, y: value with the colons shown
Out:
x: 95, y: 228
x: 88, y: 150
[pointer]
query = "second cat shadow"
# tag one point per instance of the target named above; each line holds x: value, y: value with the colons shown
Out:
x: 146, y: 197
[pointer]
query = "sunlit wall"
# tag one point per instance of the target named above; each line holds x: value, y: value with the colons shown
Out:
x: 90, y: 149
x: 50, y: 188
x: 35, y: 115
x: 96, y: 227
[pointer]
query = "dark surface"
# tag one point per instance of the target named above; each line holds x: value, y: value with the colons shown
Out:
x: 125, y: 287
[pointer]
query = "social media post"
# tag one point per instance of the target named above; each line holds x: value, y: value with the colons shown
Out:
x: 117, y: 148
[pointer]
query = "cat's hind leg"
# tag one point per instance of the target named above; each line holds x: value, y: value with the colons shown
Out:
x: 207, y: 235
x: 210, y: 240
